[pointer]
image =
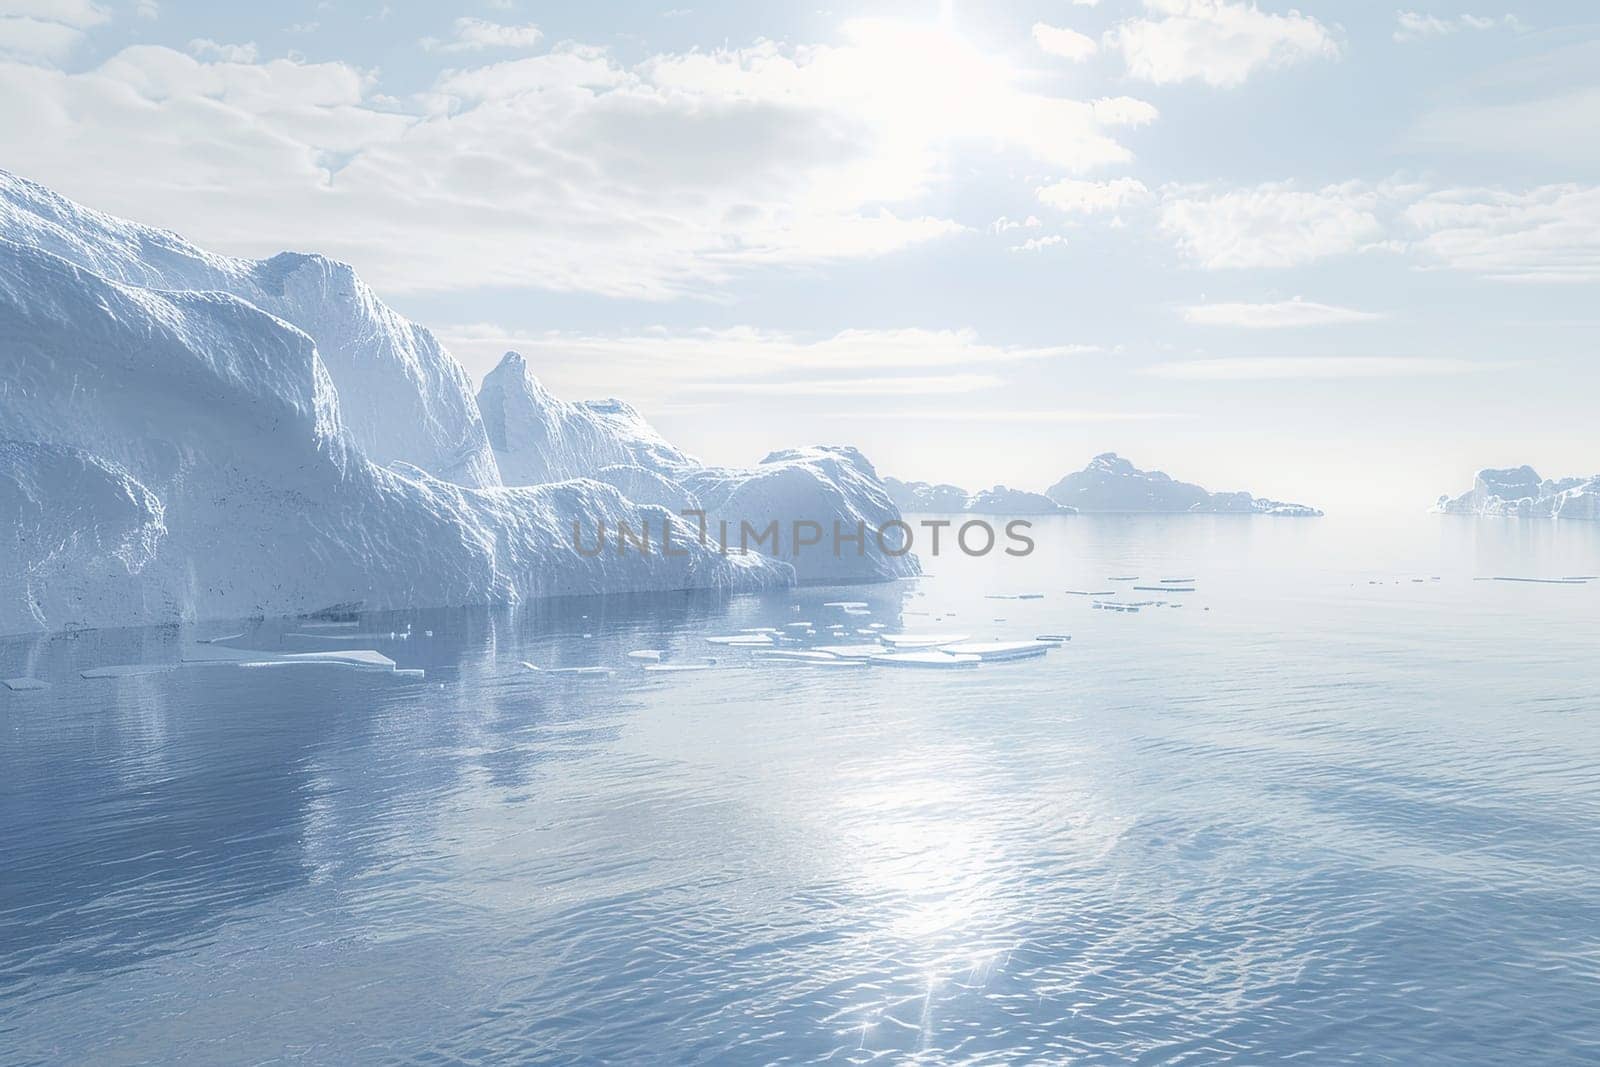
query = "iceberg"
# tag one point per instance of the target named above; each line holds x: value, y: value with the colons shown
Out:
x: 186, y: 436
x: 1519, y: 492
x: 921, y: 497
x: 1112, y: 484
x: 1001, y: 500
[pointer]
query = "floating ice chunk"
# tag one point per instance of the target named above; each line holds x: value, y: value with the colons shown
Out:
x: 797, y: 626
x: 1124, y: 578
x: 999, y: 650
x: 1177, y: 581
x: 1086, y: 592
x: 1013, y: 596
x: 845, y: 604
x: 742, y: 640
x: 23, y: 685
x: 922, y: 640
x: 678, y: 668
x: 351, y: 625
x: 761, y: 630
x: 797, y: 655
x: 129, y: 670
x: 1165, y: 588
x: 931, y: 658
x: 859, y: 652
x: 364, y: 659
x: 1545, y: 581
x: 826, y: 663
x: 646, y: 653
x: 858, y: 611
x: 410, y: 672
x: 581, y: 672
x: 1054, y: 638
x: 219, y: 640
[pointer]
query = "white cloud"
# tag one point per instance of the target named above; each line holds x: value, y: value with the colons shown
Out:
x: 476, y: 35
x: 1275, y: 224
x: 1415, y: 26
x: 1278, y: 315
x: 1550, y: 233
x: 934, y: 385
x: 1012, y: 417
x: 147, y: 9
x: 1090, y: 197
x: 45, y: 31
x: 1219, y: 42
x: 1039, y: 244
x: 662, y: 363
x: 567, y: 170
x: 1006, y: 225
x: 1285, y: 368
x: 1068, y: 44
x: 205, y: 48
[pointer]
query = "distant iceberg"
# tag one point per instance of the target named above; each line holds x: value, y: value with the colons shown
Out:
x: 922, y: 497
x: 1112, y: 484
x: 185, y: 436
x: 1519, y: 492
x: 1108, y: 484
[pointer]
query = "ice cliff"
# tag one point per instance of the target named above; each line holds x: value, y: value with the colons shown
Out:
x: 537, y: 437
x: 1520, y: 492
x: 186, y: 436
x: 1112, y: 484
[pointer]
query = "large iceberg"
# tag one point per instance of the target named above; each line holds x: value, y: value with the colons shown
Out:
x: 1112, y: 484
x: 185, y: 436
x: 402, y: 395
x: 1520, y: 492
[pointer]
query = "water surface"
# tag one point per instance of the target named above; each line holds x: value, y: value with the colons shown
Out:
x: 1343, y: 804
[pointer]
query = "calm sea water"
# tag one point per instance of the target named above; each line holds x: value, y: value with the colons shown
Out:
x: 1329, y: 809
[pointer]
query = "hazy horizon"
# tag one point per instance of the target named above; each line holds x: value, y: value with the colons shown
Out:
x: 1333, y: 256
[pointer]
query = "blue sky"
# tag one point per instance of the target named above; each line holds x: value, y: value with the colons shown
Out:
x: 1340, y: 253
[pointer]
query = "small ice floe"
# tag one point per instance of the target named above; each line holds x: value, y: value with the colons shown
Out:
x: 219, y: 640
x: 129, y: 670
x: 855, y: 652
x: 922, y: 640
x: 1176, y: 581
x: 999, y: 650
x: 761, y: 630
x: 1165, y: 588
x: 350, y: 625
x: 797, y: 626
x: 678, y: 668
x: 1085, y: 592
x: 351, y: 636
x: 846, y: 604
x: 788, y: 655
x: 742, y: 640
x: 593, y: 672
x: 1054, y: 639
x: 1545, y: 581
x: 1124, y: 578
x: 654, y: 654
x: 1013, y: 596
x: 410, y: 672
x: 23, y: 685
x: 931, y: 658
x: 427, y: 633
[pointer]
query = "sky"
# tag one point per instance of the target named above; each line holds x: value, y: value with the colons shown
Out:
x: 1340, y: 253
